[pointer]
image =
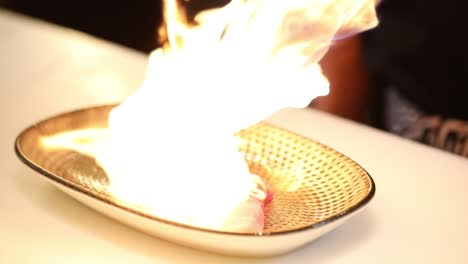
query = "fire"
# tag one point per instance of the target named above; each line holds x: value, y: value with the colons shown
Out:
x: 171, y: 147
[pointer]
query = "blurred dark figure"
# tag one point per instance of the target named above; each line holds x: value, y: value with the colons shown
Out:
x: 410, y: 73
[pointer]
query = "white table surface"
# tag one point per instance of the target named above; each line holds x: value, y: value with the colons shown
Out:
x: 419, y: 213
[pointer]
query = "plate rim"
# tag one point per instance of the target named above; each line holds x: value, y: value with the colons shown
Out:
x: 60, y: 180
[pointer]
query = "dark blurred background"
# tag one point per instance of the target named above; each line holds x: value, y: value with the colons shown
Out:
x: 130, y: 23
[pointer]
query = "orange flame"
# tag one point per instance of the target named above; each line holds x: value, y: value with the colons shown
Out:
x: 172, y: 148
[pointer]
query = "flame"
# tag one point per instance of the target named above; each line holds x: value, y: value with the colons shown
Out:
x: 171, y: 146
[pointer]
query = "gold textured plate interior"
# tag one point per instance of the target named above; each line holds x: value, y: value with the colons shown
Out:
x: 312, y: 183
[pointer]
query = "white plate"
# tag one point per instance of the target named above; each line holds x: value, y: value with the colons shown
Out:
x: 315, y: 187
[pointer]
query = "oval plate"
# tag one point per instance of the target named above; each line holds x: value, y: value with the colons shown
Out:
x: 315, y: 187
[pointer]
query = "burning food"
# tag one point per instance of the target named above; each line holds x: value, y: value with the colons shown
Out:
x: 230, y: 69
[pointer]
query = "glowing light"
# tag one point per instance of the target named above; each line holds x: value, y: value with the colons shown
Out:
x: 171, y: 146
x: 90, y: 141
